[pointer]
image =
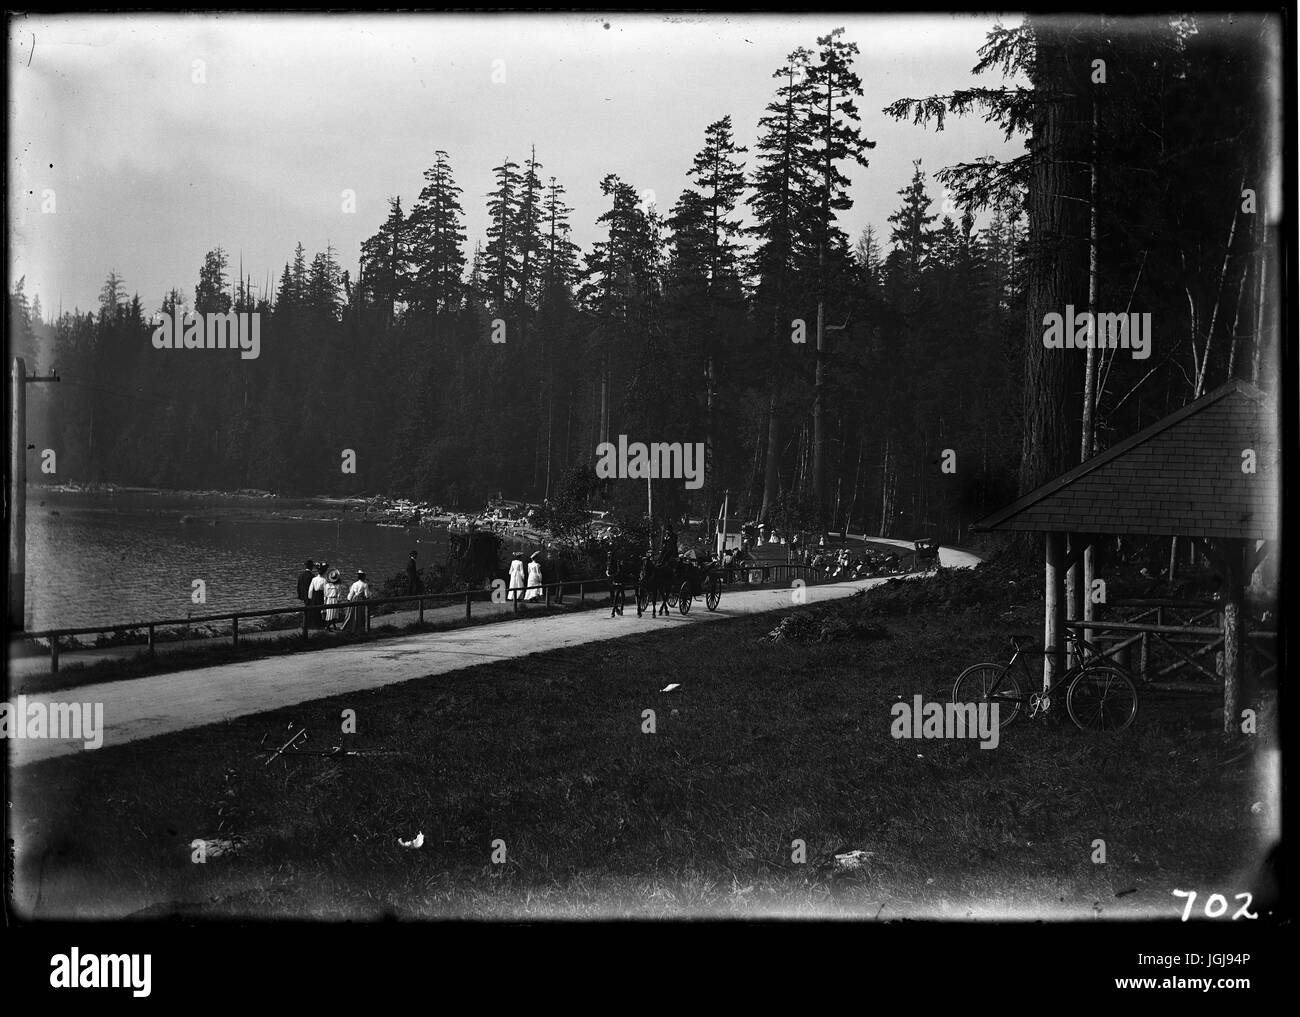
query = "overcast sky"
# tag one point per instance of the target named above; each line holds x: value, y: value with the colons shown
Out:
x: 150, y: 170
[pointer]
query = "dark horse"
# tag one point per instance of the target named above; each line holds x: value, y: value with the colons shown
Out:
x: 654, y: 585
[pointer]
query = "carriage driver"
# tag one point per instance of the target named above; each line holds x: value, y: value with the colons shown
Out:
x: 668, y: 549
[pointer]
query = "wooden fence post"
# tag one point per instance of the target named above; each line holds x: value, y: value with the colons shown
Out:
x: 234, y: 632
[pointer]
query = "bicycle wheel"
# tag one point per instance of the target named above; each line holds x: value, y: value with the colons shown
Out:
x: 1102, y: 699
x: 990, y: 683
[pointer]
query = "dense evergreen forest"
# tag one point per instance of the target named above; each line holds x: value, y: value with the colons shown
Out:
x: 921, y: 397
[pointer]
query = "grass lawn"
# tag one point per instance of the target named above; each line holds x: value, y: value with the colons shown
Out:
x: 762, y: 745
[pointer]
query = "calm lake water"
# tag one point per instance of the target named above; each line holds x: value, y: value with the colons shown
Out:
x: 128, y: 557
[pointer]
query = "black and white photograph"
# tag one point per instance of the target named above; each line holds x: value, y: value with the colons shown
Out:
x: 575, y: 467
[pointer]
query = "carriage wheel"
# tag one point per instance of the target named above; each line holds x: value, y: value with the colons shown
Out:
x: 714, y: 595
x: 670, y: 596
x: 684, y: 598
x: 642, y: 600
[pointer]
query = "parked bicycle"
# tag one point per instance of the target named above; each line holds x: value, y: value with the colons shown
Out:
x: 1099, y: 694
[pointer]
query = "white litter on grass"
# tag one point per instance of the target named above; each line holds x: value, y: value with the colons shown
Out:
x: 215, y: 847
x: 669, y: 688
x: 415, y: 842
x: 853, y: 859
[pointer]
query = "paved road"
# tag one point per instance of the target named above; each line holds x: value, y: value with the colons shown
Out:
x: 159, y: 704
x: 36, y: 666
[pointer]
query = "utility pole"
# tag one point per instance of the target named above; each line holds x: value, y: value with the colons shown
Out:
x: 18, y: 491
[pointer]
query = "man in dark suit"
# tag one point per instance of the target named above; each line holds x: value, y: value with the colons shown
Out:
x: 413, y: 583
x: 304, y: 581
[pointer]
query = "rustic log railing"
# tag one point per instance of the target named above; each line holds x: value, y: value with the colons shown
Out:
x: 1149, y: 628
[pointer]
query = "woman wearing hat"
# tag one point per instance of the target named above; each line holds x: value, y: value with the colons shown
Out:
x: 357, y: 596
x: 517, y: 579
x: 317, y: 593
x: 534, y: 576
x: 333, y: 596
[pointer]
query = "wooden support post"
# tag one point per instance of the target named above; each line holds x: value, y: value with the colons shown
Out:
x: 151, y: 647
x: 1075, y: 587
x: 1231, y: 553
x: 421, y: 618
x: 1094, y: 542
x: 234, y: 631
x: 305, y: 615
x: 54, y: 654
x: 1054, y: 609
x: 467, y: 609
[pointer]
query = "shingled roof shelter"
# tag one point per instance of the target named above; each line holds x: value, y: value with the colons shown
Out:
x: 1208, y: 472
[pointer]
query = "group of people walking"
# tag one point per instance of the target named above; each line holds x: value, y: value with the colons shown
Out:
x: 321, y: 588
x: 525, y: 581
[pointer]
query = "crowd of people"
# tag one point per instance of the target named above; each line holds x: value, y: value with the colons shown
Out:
x: 855, y: 566
x: 320, y: 587
x: 336, y: 608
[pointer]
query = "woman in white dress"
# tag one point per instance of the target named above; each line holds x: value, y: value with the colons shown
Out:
x: 534, y: 577
x: 517, y: 578
x: 334, y: 596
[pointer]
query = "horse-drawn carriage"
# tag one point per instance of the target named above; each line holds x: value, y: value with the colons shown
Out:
x: 699, y: 579
x: 677, y: 584
x: 925, y: 554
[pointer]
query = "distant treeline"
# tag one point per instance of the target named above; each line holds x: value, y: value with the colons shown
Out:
x: 455, y: 374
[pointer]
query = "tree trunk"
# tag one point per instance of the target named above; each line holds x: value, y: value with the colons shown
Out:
x: 709, y: 481
x: 1089, y: 428
x: 888, y: 488
x: 819, y: 411
x: 771, y: 473
x: 1261, y: 303
x: 1054, y: 231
